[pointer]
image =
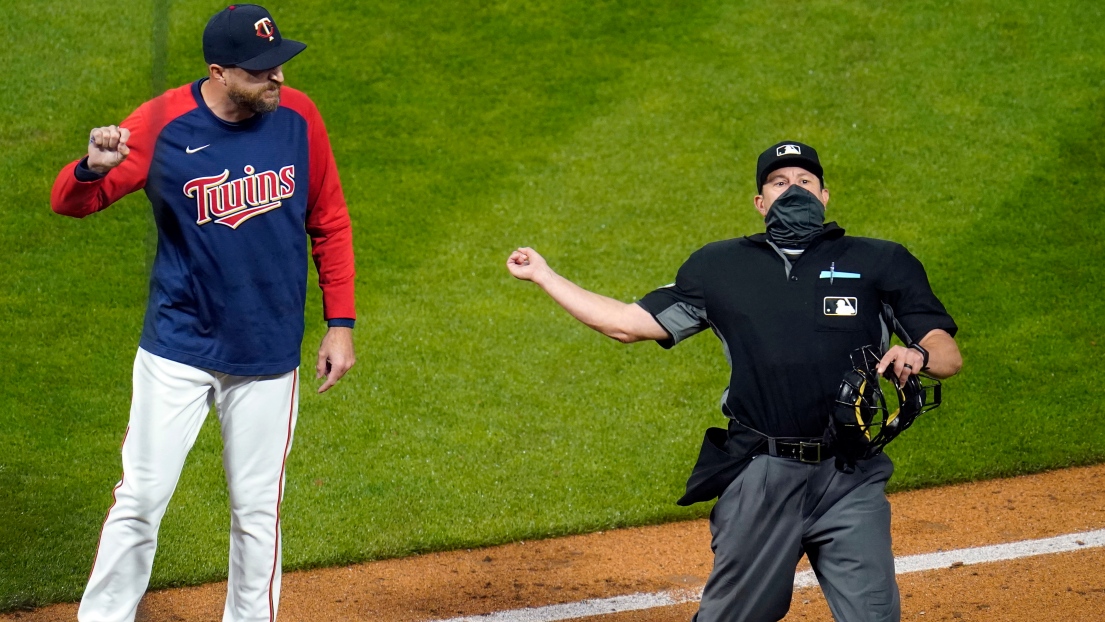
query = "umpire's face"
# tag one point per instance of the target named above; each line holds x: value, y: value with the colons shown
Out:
x: 780, y: 179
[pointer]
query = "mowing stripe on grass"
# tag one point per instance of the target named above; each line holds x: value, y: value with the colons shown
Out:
x: 903, y: 565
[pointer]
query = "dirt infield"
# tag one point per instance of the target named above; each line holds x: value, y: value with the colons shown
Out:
x: 1067, y: 587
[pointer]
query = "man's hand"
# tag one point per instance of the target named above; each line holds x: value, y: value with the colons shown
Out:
x: 107, y: 148
x: 944, y: 358
x: 903, y: 363
x: 625, y: 322
x: 335, y: 356
x: 526, y: 264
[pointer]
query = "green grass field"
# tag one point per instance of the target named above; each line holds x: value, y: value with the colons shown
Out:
x: 616, y: 138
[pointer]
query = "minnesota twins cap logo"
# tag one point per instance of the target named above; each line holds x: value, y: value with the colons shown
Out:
x: 788, y: 150
x: 265, y: 28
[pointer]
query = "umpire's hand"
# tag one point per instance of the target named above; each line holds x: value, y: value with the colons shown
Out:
x: 107, y: 148
x: 902, y: 363
x: 526, y: 264
x: 335, y: 356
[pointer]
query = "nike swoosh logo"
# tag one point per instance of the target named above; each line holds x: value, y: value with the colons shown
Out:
x: 191, y: 150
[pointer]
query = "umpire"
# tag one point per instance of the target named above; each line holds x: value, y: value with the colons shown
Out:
x: 789, y: 305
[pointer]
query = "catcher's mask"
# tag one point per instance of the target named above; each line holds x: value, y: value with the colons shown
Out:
x: 863, y: 422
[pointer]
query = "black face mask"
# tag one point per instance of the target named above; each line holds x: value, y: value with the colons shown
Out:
x: 795, y: 218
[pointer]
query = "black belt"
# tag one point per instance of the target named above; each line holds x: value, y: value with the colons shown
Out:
x: 812, y: 451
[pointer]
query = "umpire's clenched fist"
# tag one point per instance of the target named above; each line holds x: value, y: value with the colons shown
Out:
x: 526, y: 264
x: 107, y: 148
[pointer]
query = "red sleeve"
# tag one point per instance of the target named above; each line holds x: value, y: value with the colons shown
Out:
x: 79, y: 198
x: 328, y: 221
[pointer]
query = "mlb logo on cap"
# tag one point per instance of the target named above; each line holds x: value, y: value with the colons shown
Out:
x: 787, y: 153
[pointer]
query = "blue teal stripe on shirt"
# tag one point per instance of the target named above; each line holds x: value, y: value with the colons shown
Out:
x: 825, y: 274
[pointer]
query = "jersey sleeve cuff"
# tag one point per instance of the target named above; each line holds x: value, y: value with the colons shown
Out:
x: 917, y: 326
x: 85, y: 174
x: 340, y: 322
x: 679, y: 319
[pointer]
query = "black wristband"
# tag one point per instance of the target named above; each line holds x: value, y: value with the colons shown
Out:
x: 925, y: 353
x: 85, y: 174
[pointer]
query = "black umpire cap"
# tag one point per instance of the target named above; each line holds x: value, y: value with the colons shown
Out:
x: 784, y: 154
x: 244, y: 35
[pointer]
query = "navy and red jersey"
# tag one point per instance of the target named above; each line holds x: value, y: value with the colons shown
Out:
x: 234, y: 204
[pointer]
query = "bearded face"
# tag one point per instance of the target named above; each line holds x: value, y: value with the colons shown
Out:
x: 259, y: 99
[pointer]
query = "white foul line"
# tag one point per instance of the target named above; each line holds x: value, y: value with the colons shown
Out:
x: 592, y: 607
x: 982, y: 554
x: 902, y: 565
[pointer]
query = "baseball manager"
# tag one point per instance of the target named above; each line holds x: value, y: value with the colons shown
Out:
x: 239, y: 171
x: 789, y: 306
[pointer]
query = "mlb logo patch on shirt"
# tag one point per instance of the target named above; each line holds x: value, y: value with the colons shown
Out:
x: 840, y: 305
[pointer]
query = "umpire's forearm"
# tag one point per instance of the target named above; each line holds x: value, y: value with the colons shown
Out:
x: 945, y: 360
x: 599, y: 312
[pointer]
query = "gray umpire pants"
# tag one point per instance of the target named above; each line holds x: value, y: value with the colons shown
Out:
x: 779, y: 508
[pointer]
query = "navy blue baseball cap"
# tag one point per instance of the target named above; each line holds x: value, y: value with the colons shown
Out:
x: 245, y: 35
x: 784, y: 154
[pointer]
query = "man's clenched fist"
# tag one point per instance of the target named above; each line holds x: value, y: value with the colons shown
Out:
x: 107, y: 148
x: 525, y: 264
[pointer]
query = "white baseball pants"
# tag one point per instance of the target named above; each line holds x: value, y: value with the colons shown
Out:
x: 257, y: 416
